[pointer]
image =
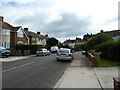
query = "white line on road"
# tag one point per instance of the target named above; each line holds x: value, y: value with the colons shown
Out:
x: 17, y: 67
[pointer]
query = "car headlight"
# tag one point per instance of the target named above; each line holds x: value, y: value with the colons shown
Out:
x: 3, y: 52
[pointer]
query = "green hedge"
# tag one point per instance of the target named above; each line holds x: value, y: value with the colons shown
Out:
x: 109, y: 50
x: 31, y: 47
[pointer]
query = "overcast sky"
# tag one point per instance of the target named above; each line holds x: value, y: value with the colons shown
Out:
x: 62, y: 19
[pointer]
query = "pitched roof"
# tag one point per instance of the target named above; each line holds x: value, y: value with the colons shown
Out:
x: 16, y: 28
x: 33, y: 34
x: 113, y: 33
x: 5, y: 25
x: 73, y: 41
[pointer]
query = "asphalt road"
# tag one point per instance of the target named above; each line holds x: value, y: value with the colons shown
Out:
x: 33, y: 72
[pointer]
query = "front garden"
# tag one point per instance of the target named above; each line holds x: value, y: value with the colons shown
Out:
x: 104, y: 48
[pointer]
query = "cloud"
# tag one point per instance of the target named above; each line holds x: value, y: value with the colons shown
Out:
x: 61, y: 18
x: 69, y: 25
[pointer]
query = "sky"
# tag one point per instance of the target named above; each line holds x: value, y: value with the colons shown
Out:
x: 62, y: 19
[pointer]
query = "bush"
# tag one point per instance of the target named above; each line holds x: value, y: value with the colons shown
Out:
x: 31, y: 47
x: 96, y: 40
x: 109, y: 49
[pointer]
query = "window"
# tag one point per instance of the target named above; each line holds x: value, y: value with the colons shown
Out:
x: 5, y: 31
x: 33, y: 38
x: 20, y: 33
x: 6, y: 44
x: 37, y: 39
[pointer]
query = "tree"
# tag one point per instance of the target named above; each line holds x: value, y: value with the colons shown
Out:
x: 52, y: 42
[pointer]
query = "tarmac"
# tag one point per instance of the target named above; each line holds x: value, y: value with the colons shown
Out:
x: 80, y: 75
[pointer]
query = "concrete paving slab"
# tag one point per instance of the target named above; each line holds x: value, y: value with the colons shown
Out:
x: 78, y: 77
x: 105, y: 75
x: 13, y: 58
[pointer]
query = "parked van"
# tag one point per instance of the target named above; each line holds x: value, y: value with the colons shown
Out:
x: 54, y: 49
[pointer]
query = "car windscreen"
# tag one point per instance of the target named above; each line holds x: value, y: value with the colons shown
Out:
x: 63, y: 51
x: 39, y: 50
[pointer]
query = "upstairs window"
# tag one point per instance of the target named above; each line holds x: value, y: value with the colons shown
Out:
x: 20, y: 33
x: 33, y: 38
x: 5, y: 32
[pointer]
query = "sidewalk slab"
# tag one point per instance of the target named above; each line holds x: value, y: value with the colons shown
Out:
x: 105, y: 75
x: 13, y: 58
x: 78, y: 77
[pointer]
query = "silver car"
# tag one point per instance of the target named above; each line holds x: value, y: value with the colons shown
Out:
x: 42, y: 51
x: 64, y: 54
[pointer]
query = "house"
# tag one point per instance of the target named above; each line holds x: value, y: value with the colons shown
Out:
x: 71, y: 43
x: 18, y: 36
x: 5, y: 30
x: 36, y: 38
x: 10, y: 35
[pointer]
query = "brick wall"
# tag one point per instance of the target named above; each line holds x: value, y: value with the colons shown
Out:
x: 92, y: 59
x: 12, y: 39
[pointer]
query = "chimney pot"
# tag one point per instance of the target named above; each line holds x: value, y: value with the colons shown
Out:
x: 38, y: 32
x: 1, y: 18
x: 46, y: 35
x: 26, y: 29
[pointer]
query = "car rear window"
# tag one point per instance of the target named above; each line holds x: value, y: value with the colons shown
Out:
x: 39, y: 50
x: 63, y: 51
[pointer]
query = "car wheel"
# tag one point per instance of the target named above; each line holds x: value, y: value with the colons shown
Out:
x: 58, y: 59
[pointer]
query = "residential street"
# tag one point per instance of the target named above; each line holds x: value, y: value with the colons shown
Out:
x: 33, y: 72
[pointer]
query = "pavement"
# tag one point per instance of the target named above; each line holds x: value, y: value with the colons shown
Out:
x: 13, y: 58
x: 80, y: 75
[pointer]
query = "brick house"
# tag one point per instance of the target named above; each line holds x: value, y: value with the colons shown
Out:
x: 18, y: 36
x: 10, y: 35
x: 71, y: 43
x: 36, y: 38
x: 5, y: 31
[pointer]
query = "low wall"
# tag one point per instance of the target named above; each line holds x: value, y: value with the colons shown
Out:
x: 19, y: 52
x: 92, y: 60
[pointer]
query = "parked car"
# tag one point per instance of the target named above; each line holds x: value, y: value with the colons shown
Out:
x: 83, y: 52
x: 4, y: 52
x: 42, y: 51
x: 54, y: 49
x: 64, y: 54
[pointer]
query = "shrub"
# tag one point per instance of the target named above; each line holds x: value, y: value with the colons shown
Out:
x: 31, y: 47
x: 109, y: 49
x: 96, y: 40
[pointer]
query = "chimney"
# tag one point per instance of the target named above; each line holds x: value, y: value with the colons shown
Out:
x: 1, y: 18
x: 26, y: 29
x: 38, y: 33
x: 101, y: 31
x: 46, y: 35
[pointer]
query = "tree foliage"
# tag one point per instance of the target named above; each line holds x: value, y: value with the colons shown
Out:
x: 52, y: 42
x: 98, y: 39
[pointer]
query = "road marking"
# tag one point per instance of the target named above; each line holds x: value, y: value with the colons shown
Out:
x: 17, y: 67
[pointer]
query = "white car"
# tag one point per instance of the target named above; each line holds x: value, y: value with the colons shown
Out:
x: 42, y: 51
x: 54, y: 49
x: 64, y: 54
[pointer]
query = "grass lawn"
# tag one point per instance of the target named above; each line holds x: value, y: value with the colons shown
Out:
x: 106, y: 63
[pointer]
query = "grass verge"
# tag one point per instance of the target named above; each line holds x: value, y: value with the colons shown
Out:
x: 106, y: 63
x: 103, y: 62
